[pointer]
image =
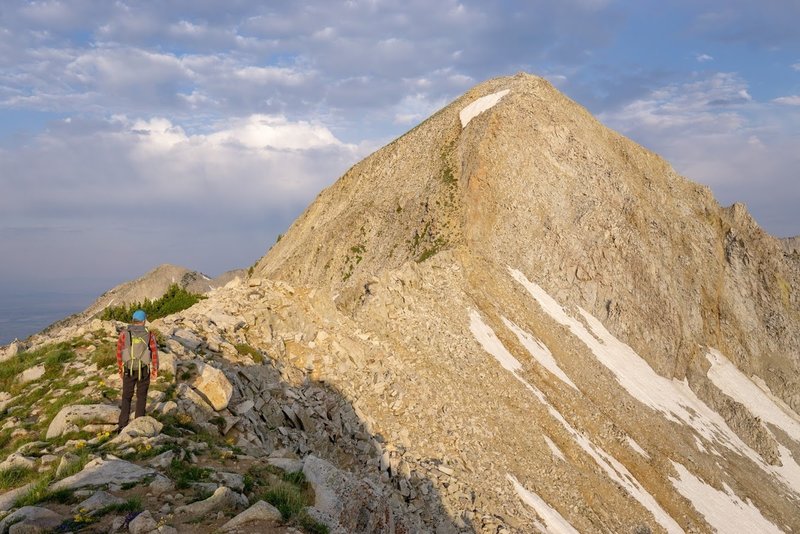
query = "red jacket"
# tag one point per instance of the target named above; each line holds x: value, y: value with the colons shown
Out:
x: 153, y: 352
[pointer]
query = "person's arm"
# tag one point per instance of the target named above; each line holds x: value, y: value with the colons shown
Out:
x: 120, y: 345
x: 154, y: 354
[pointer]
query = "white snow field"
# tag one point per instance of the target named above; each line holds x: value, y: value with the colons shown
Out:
x: 473, y: 109
x: 723, y: 510
x: 554, y: 523
x: 674, y: 399
x: 611, y: 466
x: 739, y: 387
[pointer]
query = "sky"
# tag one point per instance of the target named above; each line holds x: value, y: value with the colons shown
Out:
x: 195, y: 131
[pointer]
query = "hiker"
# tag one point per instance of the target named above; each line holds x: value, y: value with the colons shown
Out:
x: 137, y: 360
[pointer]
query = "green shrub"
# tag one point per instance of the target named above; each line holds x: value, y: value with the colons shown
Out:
x: 174, y: 300
x: 287, y: 499
x: 184, y: 474
x: 105, y: 356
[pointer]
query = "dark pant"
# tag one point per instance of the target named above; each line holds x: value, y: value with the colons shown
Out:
x: 129, y: 381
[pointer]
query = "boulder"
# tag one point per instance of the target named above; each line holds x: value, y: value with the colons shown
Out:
x: 66, y: 420
x: 187, y: 338
x: 100, y: 472
x: 17, y: 460
x: 66, y: 461
x: 213, y: 385
x: 235, y: 481
x: 32, y: 516
x: 11, y: 350
x: 166, y: 364
x: 223, y: 499
x: 141, y: 427
x: 8, y: 498
x: 244, y: 407
x: 98, y: 501
x: 161, y: 485
x: 224, y: 321
x: 143, y: 523
x: 34, y: 373
x: 163, y: 460
x: 249, y: 520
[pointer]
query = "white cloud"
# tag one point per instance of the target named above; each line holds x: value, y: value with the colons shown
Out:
x: 230, y: 188
x: 796, y: 66
x: 702, y: 58
x: 791, y: 100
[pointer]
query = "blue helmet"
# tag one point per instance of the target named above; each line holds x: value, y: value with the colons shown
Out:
x: 139, y: 315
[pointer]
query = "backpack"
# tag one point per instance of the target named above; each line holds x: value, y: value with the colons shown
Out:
x: 136, y: 350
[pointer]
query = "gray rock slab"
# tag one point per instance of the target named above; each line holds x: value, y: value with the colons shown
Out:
x: 19, y: 461
x: 187, y: 338
x: 66, y: 419
x: 161, y: 485
x: 143, y: 523
x: 33, y: 516
x: 34, y: 373
x: 100, y: 499
x: 8, y: 498
x: 141, y: 427
x: 250, y: 519
x: 100, y: 472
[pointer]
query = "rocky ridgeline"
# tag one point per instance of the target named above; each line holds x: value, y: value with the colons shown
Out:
x: 233, y: 411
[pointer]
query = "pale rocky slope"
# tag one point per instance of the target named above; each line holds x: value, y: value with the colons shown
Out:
x: 508, y: 321
x: 433, y: 238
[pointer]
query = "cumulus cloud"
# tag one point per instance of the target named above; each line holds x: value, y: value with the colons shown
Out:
x: 702, y: 58
x: 275, y: 57
x: 791, y: 100
x: 160, y: 189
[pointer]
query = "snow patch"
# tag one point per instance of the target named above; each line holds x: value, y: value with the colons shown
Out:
x: 612, y: 467
x: 479, y: 106
x: 638, y: 448
x: 540, y: 352
x: 553, y: 521
x: 554, y: 449
x: 674, y: 399
x: 723, y: 510
x: 735, y: 384
x: 489, y: 341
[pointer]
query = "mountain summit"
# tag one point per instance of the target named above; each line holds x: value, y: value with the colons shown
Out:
x: 513, y: 230
x: 510, y: 319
